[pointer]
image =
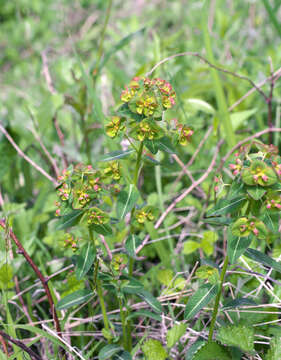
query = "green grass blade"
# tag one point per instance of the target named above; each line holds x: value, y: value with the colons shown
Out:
x: 272, y: 16
x: 224, y: 115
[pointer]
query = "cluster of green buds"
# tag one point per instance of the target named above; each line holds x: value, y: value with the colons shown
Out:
x: 259, y: 173
x: 83, y: 188
x: 149, y: 97
x: 147, y: 213
x: 70, y: 242
x: 245, y: 226
x: 273, y: 201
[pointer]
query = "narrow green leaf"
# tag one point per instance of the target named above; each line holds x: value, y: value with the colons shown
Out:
x: 239, y: 117
x: 175, y: 333
x: 85, y: 260
x: 237, y: 335
x: 69, y: 220
x: 144, y: 313
x: 150, y: 300
x: 123, y: 42
x: 238, y: 303
x: 114, y: 155
x: 122, y: 355
x: 166, y: 145
x: 236, y: 246
x: 227, y: 206
x: 201, y: 298
x: 76, y: 298
x: 132, y: 287
x: 108, y: 351
x: 218, y: 220
x: 263, y: 259
x: 271, y: 220
x: 131, y: 245
x: 103, y: 229
x: 126, y: 200
x: 152, y: 145
x: 201, y: 105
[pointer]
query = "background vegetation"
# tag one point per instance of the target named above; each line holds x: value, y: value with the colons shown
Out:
x: 59, y: 58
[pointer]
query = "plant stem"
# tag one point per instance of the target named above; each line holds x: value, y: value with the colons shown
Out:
x: 99, y: 291
x: 216, y: 307
x: 137, y: 168
x: 124, y: 328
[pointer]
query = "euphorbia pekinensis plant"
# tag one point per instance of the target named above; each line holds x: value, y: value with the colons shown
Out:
x: 108, y: 202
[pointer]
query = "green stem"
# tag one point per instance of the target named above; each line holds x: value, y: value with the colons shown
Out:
x: 124, y: 328
x: 99, y: 291
x: 216, y: 307
x: 137, y: 168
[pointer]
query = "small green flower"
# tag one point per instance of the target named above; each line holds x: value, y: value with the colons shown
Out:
x: 113, y: 170
x: 147, y: 213
x: 115, y: 126
x: 185, y: 134
x: 244, y: 227
x: 147, y: 130
x: 259, y: 173
x: 97, y: 216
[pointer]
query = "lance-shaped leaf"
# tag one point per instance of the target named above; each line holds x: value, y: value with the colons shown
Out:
x: 122, y: 355
x: 271, y: 220
x: 227, y: 206
x: 201, y: 298
x: 238, y: 303
x: 150, y: 300
x: 152, y: 146
x: 132, y: 286
x: 85, y: 260
x: 115, y: 155
x: 236, y: 245
x: 166, y: 145
x: 68, y: 220
x: 175, y: 333
x: 126, y: 200
x: 108, y: 351
x: 76, y: 298
x: 144, y: 313
x: 263, y: 259
x: 194, y: 349
x: 131, y: 245
x: 103, y: 229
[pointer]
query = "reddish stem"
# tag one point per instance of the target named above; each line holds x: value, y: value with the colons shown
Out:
x: 43, y: 280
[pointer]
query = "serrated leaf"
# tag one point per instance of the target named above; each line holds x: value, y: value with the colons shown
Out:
x: 237, y: 335
x: 69, y: 220
x: 114, y: 155
x: 144, y: 313
x: 131, y: 244
x: 194, y: 348
x: 236, y: 246
x: 174, y: 334
x: 103, y: 229
x: 126, y: 200
x: 227, y: 206
x: 76, y: 298
x: 201, y: 298
x: 153, y: 350
x: 274, y: 352
x: 212, y: 351
x: 256, y: 192
x: 85, y: 260
x: 150, y: 300
x: 238, y: 302
x: 263, y: 259
x: 108, y: 351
